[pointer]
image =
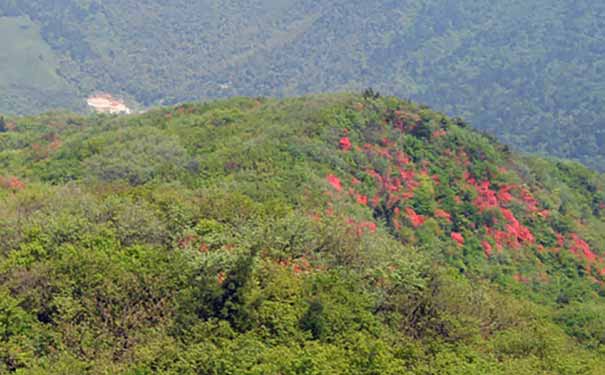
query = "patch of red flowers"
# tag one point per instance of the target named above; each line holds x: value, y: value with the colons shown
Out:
x: 345, y: 144
x: 362, y: 199
x: 486, y: 197
x: 458, y: 238
x: 335, y: 182
x: 560, y: 240
x: 530, y: 202
x: 579, y: 246
x: 12, y: 183
x: 504, y: 194
x: 487, y: 248
x: 415, y: 219
x: 516, y: 232
x: 402, y: 158
x: 363, y: 227
x: 439, y: 213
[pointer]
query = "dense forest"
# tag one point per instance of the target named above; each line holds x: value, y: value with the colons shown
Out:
x: 530, y: 72
x: 331, y: 234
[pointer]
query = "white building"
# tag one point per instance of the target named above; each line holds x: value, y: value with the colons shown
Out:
x: 105, y: 103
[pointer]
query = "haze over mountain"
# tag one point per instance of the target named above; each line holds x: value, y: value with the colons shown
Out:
x: 332, y: 234
x: 530, y: 72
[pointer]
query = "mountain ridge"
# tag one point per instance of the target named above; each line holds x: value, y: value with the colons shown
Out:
x: 329, y: 234
x: 530, y: 73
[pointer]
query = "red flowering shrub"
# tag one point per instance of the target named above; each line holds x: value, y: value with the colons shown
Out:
x: 458, y: 238
x: 335, y: 182
x: 581, y: 247
x: 398, y: 177
x: 401, y: 158
x: 415, y: 219
x: 12, y: 183
x: 515, y: 232
x: 560, y: 240
x: 530, y: 202
x: 345, y: 144
x: 362, y: 227
x: 439, y: 213
x: 504, y: 194
x: 362, y: 199
x: 487, y: 248
x: 486, y: 197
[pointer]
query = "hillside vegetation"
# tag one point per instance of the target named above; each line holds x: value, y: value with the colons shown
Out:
x: 333, y: 234
x: 530, y: 72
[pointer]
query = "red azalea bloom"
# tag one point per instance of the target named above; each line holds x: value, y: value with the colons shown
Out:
x: 458, y: 238
x: 530, y: 202
x: 362, y: 199
x: 369, y: 226
x: 363, y: 227
x: 402, y: 158
x: 335, y: 182
x: 407, y: 195
x: 375, y: 200
x: 504, y: 194
x: 581, y: 245
x: 443, y: 214
x: 560, y: 239
x: 15, y: 184
x: 486, y: 197
x: 508, y: 215
x: 487, y: 248
x: 345, y: 143
x: 516, y: 231
x: 415, y: 219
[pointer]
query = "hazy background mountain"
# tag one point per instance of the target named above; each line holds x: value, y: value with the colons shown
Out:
x: 529, y: 72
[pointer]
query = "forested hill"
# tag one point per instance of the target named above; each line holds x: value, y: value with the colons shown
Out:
x: 530, y: 72
x: 337, y: 234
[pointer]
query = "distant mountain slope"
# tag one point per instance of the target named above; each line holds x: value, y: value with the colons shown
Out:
x: 529, y: 72
x: 331, y: 234
x: 29, y: 70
